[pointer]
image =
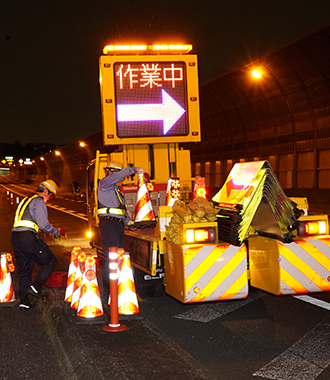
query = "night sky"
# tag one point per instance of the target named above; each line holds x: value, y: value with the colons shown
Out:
x: 49, y: 90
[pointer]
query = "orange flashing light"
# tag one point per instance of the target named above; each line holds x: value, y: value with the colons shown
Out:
x: 90, y: 275
x: 199, y: 188
x: 150, y: 186
x: 175, y: 187
x: 90, y: 261
x: 147, y: 49
x: 10, y: 262
x: 81, y: 257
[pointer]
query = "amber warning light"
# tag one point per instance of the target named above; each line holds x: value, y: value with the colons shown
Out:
x: 200, y: 235
x: 147, y: 49
x: 312, y: 228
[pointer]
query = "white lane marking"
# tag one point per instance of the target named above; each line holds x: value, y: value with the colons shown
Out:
x: 70, y: 212
x: 314, y: 301
x: 55, y: 207
x: 207, y: 312
x: 304, y: 360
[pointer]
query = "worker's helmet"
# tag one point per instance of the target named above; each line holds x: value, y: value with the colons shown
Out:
x: 114, y: 166
x: 50, y: 185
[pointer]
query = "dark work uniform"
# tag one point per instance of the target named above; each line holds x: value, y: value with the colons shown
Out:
x: 31, y: 215
x: 112, y: 213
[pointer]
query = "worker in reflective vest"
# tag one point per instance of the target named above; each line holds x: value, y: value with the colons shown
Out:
x: 31, y: 216
x: 112, y: 210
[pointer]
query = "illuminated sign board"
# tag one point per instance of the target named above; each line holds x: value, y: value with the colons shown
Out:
x: 149, y: 99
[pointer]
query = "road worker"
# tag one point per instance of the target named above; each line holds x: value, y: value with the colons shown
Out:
x: 32, y: 216
x: 112, y: 211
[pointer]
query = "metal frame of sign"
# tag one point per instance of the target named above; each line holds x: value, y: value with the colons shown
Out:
x: 148, y: 99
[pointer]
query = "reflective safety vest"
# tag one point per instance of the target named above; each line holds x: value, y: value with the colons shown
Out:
x: 111, y: 210
x: 114, y: 210
x: 18, y: 221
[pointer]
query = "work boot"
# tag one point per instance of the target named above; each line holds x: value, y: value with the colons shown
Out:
x: 35, y: 289
x: 25, y: 303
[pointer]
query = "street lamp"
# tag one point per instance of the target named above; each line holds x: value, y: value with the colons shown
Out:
x: 256, y: 73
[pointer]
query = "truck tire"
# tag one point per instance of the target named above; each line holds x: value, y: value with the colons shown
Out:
x: 159, y: 288
x: 150, y: 288
x: 156, y: 288
x: 141, y: 284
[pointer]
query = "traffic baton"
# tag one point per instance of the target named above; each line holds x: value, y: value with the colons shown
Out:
x: 114, y: 324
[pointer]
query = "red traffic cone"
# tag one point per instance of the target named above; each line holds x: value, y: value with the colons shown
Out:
x: 71, y: 274
x: 143, y: 209
x: 7, y: 293
x: 80, y: 268
x: 90, y: 304
x: 127, y: 298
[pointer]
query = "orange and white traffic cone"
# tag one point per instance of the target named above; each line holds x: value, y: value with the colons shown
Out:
x: 143, y: 209
x: 80, y: 268
x: 7, y: 293
x: 71, y: 274
x: 90, y: 305
x: 127, y: 298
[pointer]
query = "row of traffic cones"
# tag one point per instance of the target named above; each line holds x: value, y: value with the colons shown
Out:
x: 82, y: 290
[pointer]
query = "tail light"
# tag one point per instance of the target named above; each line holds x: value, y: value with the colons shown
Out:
x: 200, y: 235
x: 312, y: 228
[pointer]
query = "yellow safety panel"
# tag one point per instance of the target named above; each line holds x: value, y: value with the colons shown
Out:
x: 302, y: 266
x: 203, y: 273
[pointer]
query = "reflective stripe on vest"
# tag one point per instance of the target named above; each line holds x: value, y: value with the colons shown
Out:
x: 111, y: 210
x: 18, y: 222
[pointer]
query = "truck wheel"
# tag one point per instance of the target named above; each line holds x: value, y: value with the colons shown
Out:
x: 140, y: 283
x: 159, y: 289
x: 156, y: 288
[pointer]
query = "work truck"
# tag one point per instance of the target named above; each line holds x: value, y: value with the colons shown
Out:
x: 258, y: 237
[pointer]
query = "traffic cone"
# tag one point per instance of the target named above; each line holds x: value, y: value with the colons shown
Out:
x: 127, y: 298
x: 143, y: 209
x: 90, y: 304
x: 71, y: 274
x: 7, y: 293
x: 80, y: 268
x: 169, y: 198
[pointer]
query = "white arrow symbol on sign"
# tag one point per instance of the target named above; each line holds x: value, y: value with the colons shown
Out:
x: 169, y: 111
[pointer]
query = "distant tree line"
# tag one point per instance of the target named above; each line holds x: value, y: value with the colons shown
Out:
x: 17, y: 150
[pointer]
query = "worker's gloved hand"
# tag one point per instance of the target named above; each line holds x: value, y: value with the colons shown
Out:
x: 130, y: 223
x: 57, y: 234
x: 140, y: 170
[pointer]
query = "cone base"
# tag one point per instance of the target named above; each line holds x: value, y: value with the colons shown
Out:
x: 9, y: 303
x: 90, y: 321
x: 114, y: 328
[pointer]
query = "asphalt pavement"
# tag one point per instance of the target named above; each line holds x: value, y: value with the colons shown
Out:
x: 166, y: 340
x: 49, y: 342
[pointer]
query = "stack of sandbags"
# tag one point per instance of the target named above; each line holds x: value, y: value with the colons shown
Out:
x: 197, y: 211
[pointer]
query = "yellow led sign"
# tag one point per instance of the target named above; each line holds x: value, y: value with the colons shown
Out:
x: 149, y: 99
x: 151, y: 49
